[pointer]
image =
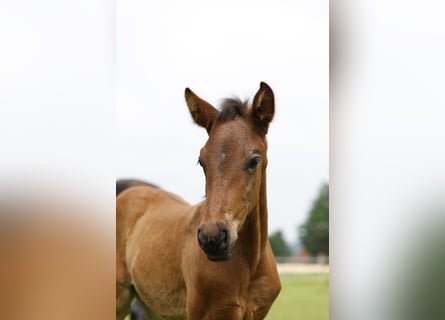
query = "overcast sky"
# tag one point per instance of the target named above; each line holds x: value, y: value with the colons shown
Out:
x: 221, y: 50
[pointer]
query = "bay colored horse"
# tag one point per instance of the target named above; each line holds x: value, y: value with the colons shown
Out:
x: 211, y: 260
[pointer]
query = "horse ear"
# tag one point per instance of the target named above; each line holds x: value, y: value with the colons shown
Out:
x: 203, y: 113
x: 263, y: 107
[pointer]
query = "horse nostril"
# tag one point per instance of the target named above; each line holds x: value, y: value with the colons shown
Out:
x: 223, y: 235
x: 201, y: 237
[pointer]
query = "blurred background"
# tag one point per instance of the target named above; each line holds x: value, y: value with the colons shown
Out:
x: 57, y: 173
x: 387, y: 172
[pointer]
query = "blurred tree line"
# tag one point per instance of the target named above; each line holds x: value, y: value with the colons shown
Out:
x: 278, y: 244
x: 313, y: 233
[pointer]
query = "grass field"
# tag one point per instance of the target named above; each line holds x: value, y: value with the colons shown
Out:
x: 303, y: 296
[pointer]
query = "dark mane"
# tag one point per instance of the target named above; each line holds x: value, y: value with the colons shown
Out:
x: 232, y: 108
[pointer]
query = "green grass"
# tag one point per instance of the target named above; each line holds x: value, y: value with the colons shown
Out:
x: 303, y: 296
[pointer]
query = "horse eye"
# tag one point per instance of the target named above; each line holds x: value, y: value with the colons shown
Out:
x: 253, y: 163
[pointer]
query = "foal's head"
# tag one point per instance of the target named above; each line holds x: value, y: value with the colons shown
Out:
x: 234, y: 163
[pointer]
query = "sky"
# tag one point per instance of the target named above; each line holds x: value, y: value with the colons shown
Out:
x: 222, y: 50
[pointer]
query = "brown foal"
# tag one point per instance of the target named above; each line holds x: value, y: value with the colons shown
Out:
x: 212, y: 260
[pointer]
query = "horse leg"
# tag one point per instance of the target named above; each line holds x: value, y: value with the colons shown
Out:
x: 124, y: 292
x: 123, y: 301
x: 137, y: 310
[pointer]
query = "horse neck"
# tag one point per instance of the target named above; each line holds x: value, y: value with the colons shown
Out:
x: 255, y: 229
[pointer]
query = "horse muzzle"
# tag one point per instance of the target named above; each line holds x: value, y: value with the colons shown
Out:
x: 216, y: 241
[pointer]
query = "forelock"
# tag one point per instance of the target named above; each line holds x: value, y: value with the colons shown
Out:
x: 232, y: 108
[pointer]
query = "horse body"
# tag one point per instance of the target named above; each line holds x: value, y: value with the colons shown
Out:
x: 145, y: 213
x: 207, y: 261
